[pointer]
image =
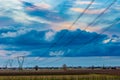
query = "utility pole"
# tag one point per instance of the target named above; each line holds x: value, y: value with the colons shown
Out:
x: 20, y: 60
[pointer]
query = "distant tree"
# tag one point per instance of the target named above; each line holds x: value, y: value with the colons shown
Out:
x: 36, y: 67
x: 92, y: 67
x: 113, y: 67
x: 64, y: 67
x: 104, y: 67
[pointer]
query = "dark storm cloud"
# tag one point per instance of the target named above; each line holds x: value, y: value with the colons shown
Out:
x: 35, y: 42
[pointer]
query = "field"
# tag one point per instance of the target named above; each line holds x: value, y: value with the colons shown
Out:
x: 62, y: 77
x: 60, y: 74
x: 115, y: 72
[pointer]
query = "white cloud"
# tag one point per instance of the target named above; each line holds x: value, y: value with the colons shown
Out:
x: 56, y: 53
x: 8, y: 5
x: 43, y: 5
x: 14, y: 9
x: 115, y: 38
x: 63, y: 25
x: 3, y: 53
x: 86, y: 3
x: 22, y: 17
x: 14, y: 34
x: 106, y: 41
x: 49, y: 36
x: 112, y: 39
x: 90, y: 11
x: 39, y: 58
x: 79, y: 25
x: 19, y: 53
x: 13, y: 54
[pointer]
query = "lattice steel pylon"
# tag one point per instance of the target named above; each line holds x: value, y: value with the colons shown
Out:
x: 20, y: 60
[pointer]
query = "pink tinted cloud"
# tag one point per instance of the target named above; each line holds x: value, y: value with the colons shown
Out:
x: 90, y: 11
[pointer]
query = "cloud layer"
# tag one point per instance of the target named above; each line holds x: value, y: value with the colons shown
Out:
x: 37, y: 43
x: 30, y: 28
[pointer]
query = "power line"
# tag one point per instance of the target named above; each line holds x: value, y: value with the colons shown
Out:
x: 97, y: 36
x: 88, y: 26
x: 90, y: 23
x: 85, y: 44
x: 63, y: 35
x: 93, y: 22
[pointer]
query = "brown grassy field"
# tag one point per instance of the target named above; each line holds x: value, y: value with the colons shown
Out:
x: 62, y: 77
x: 80, y: 74
x: 59, y: 72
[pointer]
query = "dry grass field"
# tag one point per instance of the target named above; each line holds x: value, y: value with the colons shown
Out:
x: 62, y: 77
x: 115, y: 72
x: 86, y: 74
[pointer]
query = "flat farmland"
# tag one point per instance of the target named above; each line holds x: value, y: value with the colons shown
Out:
x: 80, y: 74
x: 62, y: 77
x: 59, y: 72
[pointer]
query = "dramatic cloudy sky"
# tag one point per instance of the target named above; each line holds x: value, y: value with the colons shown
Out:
x: 60, y: 31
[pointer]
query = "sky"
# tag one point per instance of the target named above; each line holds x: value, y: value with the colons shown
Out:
x: 60, y: 32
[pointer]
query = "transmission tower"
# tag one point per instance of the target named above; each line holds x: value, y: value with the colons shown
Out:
x: 20, y: 60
